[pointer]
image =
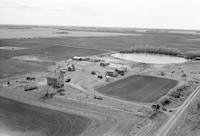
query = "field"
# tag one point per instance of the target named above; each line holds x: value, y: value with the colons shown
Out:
x: 58, y: 48
x: 181, y: 41
x: 139, y: 88
x: 46, y: 49
x: 119, y: 106
x: 48, y: 32
x: 21, y: 119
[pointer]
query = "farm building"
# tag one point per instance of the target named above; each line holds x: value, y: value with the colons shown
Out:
x: 94, y: 72
x: 121, y: 71
x: 112, y: 73
x: 104, y: 64
x: 55, y: 79
x: 71, y: 68
x: 68, y: 68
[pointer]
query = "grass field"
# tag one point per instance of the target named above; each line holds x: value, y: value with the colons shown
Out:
x: 65, y: 47
x: 184, y: 42
x: 138, y: 88
x: 43, y: 48
x: 59, y: 48
x: 48, y: 32
x: 18, y: 119
x: 181, y: 41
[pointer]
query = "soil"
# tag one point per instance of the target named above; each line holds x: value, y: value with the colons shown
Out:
x: 139, y: 88
x: 19, y: 118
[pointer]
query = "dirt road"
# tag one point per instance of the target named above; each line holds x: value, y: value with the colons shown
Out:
x: 171, y: 122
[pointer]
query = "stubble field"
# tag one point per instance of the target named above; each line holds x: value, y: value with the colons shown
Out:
x: 139, y: 88
x: 21, y: 119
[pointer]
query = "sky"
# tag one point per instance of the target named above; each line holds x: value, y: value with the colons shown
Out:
x: 174, y: 14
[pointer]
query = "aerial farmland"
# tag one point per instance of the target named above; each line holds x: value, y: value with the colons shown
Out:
x: 85, y: 81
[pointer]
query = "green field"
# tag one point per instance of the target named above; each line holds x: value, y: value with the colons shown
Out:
x: 138, y: 88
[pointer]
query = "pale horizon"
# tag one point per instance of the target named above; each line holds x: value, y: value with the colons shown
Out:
x: 165, y: 14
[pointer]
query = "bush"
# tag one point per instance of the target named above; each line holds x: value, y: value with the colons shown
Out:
x: 175, y: 94
x: 154, y: 50
x: 192, y: 54
x: 179, y: 91
x: 198, y: 106
x: 165, y: 101
x: 183, y: 75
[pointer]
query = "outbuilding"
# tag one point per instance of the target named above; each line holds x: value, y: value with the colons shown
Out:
x: 55, y: 79
x: 112, y: 73
x: 121, y: 71
x: 103, y: 64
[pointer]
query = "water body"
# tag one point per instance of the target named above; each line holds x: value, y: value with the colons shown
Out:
x: 19, y: 119
x: 150, y: 58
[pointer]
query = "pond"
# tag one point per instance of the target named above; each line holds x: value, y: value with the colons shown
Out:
x: 150, y: 58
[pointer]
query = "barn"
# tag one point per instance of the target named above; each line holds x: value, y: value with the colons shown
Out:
x: 55, y: 79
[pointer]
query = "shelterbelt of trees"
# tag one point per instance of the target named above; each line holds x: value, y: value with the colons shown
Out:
x: 162, y: 51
